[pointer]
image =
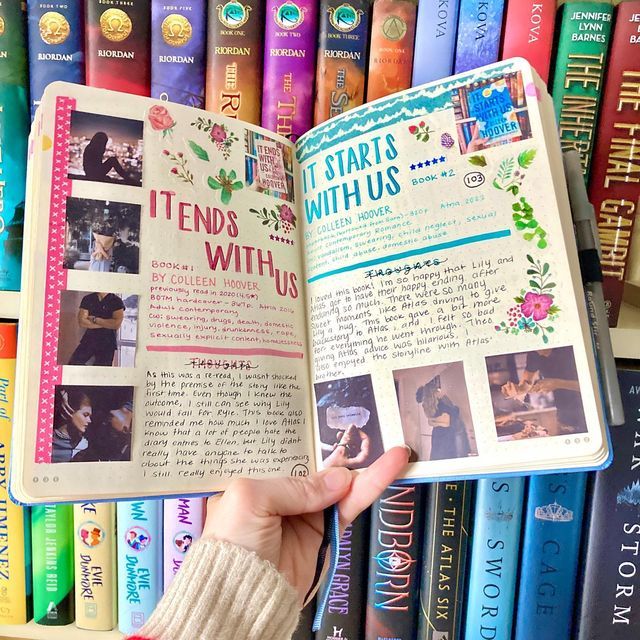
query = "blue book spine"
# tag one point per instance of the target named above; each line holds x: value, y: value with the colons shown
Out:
x: 139, y: 562
x: 494, y: 558
x: 56, y: 45
x: 178, y: 51
x: 551, y: 547
x: 435, y: 43
x: 479, y: 31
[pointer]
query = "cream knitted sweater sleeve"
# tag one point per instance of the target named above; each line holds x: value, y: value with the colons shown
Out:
x: 223, y: 592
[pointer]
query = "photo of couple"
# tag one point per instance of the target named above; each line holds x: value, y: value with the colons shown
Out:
x: 434, y: 411
x: 535, y: 394
x: 92, y: 424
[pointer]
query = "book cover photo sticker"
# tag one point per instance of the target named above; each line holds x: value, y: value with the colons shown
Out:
x: 491, y: 112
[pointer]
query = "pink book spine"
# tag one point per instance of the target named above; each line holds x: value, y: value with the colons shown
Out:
x: 183, y: 523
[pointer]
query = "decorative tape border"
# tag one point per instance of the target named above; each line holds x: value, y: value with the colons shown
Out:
x: 56, y: 278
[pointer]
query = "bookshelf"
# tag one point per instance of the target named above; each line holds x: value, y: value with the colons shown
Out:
x: 35, y: 631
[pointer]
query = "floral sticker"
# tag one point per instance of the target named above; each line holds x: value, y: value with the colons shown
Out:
x: 226, y: 184
x: 220, y: 135
x: 179, y: 169
x: 421, y: 131
x: 282, y: 217
x: 509, y: 177
x: 535, y: 308
x: 160, y: 120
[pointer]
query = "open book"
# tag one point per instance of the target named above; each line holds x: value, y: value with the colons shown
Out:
x: 204, y: 299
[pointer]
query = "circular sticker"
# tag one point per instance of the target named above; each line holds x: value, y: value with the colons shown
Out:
x: 137, y: 538
x: 176, y: 30
x: 182, y: 541
x: 289, y: 15
x: 54, y: 28
x: 344, y: 18
x: 115, y: 25
x: 394, y: 28
x: 91, y: 534
x: 233, y: 14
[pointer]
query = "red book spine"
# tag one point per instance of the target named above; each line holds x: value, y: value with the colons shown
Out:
x: 118, y: 45
x: 614, y: 188
x: 528, y: 33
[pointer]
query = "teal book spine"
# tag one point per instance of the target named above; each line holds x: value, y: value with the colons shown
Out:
x: 578, y: 79
x: 494, y: 558
x: 14, y: 129
x: 139, y: 550
x: 550, y: 552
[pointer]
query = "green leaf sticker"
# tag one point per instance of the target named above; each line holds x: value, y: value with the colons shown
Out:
x: 478, y: 161
x: 198, y: 151
x: 526, y: 158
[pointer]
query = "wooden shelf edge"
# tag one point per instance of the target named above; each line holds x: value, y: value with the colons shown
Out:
x: 9, y: 304
x: 34, y: 631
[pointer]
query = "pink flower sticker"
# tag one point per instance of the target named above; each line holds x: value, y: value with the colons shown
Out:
x: 536, y: 305
x: 218, y: 134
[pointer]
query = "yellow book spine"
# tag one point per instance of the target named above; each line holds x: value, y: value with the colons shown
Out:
x: 95, y: 558
x: 13, y: 588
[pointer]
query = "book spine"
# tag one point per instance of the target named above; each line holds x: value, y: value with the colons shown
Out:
x: 528, y: 33
x: 118, y: 42
x: 393, y: 26
x: 444, y: 554
x: 183, y: 523
x: 235, y: 58
x: 14, y: 129
x: 608, y: 606
x: 613, y: 186
x: 550, y: 550
x: 435, y: 44
x: 347, y: 593
x: 584, y: 33
x: 479, y: 32
x: 56, y: 45
x: 13, y: 587
x: 394, y: 579
x: 342, y: 57
x: 178, y: 51
x: 289, y: 66
x: 493, y: 567
x: 139, y: 551
x: 52, y: 548
x: 95, y: 565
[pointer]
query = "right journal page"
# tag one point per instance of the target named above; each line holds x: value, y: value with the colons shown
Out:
x: 444, y: 299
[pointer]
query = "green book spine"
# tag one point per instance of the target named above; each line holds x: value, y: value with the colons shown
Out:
x: 14, y: 129
x: 52, y: 548
x: 583, y: 44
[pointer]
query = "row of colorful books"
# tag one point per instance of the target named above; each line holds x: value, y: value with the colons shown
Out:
x: 260, y: 62
x: 551, y: 557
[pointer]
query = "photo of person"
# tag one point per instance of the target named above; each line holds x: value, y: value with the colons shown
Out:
x: 535, y: 394
x: 348, y: 420
x: 434, y: 411
x: 105, y: 149
x: 92, y: 424
x: 102, y: 236
x: 97, y: 329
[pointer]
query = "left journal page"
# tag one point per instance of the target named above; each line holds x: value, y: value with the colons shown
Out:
x: 162, y: 346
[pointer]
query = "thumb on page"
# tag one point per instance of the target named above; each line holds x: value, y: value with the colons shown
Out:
x: 293, y: 496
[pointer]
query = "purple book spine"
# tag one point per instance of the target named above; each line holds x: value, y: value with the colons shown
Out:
x: 183, y: 523
x: 178, y: 51
x: 290, y: 46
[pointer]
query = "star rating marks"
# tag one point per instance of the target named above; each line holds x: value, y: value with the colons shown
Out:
x: 276, y: 238
x: 429, y: 162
